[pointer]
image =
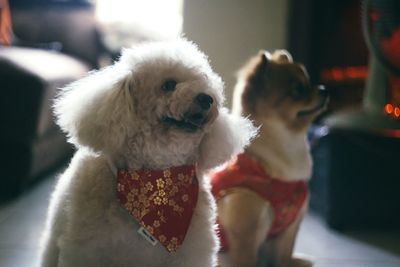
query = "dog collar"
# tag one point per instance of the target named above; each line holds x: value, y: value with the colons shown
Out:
x: 162, y: 201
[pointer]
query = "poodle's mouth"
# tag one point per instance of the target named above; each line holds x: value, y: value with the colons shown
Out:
x: 191, y: 122
x: 199, y: 113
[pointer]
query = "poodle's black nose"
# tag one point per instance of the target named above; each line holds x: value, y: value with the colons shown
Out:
x: 204, y: 101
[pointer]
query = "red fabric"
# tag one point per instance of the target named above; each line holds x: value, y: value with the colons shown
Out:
x: 162, y: 201
x: 286, y: 198
x: 391, y: 48
x: 5, y: 23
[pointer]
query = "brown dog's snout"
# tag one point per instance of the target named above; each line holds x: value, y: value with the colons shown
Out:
x: 204, y: 101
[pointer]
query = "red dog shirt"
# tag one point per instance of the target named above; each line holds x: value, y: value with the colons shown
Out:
x: 286, y: 198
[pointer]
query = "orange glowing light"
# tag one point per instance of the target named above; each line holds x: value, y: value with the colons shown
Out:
x: 388, y: 108
x: 337, y: 74
x: 397, y: 111
x: 343, y: 74
x: 391, y: 133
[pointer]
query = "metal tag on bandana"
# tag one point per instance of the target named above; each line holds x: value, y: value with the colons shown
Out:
x: 143, y: 232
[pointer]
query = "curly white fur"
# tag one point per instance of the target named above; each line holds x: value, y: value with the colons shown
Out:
x: 116, y: 115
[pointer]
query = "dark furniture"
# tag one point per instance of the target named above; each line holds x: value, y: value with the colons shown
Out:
x: 356, y: 178
x: 54, y: 44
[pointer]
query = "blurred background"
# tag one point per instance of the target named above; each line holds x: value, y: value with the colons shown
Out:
x: 350, y: 46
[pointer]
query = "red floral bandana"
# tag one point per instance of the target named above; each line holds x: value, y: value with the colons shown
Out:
x: 162, y: 201
x: 286, y: 198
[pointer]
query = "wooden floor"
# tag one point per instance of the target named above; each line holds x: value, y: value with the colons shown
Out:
x: 22, y: 220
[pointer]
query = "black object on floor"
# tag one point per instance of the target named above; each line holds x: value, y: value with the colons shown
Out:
x: 356, y: 178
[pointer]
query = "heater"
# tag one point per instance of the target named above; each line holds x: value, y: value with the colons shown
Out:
x: 381, y: 102
x: 356, y: 176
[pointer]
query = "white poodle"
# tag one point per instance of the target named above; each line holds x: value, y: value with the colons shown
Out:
x: 158, y: 109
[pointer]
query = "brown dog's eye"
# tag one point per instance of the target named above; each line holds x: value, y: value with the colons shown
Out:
x: 299, y: 90
x: 169, y: 85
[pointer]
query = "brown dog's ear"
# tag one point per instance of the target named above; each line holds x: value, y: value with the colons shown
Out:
x: 282, y: 56
x: 265, y: 57
x: 257, y: 64
x: 252, y: 86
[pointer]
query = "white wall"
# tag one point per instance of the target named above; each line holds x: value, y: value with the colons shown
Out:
x: 231, y: 31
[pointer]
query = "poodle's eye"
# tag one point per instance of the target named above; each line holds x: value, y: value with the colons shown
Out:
x: 169, y: 85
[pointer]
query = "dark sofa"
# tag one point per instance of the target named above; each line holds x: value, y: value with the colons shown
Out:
x: 55, y: 43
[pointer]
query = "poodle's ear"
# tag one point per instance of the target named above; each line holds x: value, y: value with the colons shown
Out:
x: 92, y: 110
x: 229, y: 135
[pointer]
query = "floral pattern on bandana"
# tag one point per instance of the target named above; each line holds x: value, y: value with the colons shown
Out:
x: 162, y: 201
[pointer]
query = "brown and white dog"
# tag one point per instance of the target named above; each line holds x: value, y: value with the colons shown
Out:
x: 262, y: 195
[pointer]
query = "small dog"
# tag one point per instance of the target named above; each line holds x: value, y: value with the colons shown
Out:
x: 262, y: 195
x: 146, y: 129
